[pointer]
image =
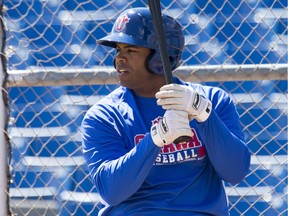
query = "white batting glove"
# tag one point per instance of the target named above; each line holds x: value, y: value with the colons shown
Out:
x: 185, y: 98
x: 173, y: 125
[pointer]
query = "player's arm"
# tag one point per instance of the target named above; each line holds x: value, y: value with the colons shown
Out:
x: 116, y: 171
x: 223, y: 136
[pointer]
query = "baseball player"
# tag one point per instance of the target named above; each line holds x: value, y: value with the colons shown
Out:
x: 128, y: 137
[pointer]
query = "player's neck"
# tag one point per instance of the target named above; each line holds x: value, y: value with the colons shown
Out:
x: 151, y: 88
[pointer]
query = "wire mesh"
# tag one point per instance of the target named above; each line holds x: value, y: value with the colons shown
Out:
x: 57, y: 71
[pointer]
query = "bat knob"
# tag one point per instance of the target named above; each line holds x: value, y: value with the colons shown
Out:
x: 182, y: 139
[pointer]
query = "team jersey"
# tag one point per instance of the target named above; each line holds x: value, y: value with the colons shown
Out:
x: 135, y: 177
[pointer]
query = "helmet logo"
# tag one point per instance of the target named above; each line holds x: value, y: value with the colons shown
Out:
x: 121, y: 22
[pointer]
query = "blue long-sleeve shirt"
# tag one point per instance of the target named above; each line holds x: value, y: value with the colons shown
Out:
x: 135, y: 177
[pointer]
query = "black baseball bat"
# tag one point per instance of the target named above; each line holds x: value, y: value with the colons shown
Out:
x: 156, y: 15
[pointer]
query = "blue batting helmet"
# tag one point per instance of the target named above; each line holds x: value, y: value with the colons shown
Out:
x: 135, y: 27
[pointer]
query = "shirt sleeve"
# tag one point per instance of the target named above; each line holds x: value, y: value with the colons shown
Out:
x: 223, y: 136
x: 117, y: 169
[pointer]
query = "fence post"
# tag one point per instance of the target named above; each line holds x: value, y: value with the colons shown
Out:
x: 4, y: 166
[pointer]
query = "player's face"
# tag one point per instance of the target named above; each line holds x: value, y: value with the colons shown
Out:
x: 132, y: 72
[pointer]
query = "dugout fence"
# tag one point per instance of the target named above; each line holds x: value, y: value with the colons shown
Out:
x: 56, y: 72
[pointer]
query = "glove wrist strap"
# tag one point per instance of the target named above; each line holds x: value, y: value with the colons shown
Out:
x: 206, y: 111
x: 156, y: 137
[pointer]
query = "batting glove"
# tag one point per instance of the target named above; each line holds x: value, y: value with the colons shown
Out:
x: 173, y: 125
x: 185, y: 98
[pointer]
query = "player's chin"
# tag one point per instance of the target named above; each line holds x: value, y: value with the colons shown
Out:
x: 126, y: 83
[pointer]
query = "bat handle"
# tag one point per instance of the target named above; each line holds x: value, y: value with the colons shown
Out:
x: 182, y: 139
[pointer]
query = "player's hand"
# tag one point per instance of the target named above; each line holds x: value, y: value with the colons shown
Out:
x: 185, y: 98
x: 174, y: 124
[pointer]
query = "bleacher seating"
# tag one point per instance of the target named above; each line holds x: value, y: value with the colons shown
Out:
x: 36, y: 188
x: 59, y: 41
x: 81, y: 197
x: 265, y: 184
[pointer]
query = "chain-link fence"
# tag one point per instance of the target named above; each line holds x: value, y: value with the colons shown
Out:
x: 57, y: 71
